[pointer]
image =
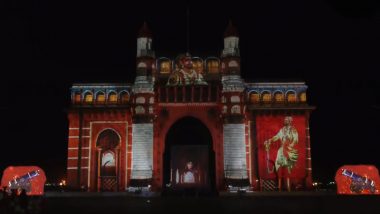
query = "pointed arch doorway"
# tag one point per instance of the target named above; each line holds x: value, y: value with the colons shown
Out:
x: 108, y: 160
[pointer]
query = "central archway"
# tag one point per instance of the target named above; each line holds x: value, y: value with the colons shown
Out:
x: 189, y: 158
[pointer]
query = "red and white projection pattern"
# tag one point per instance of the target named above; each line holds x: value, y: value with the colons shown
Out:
x: 281, y: 145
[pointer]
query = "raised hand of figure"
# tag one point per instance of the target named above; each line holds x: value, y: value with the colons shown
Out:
x: 267, y: 145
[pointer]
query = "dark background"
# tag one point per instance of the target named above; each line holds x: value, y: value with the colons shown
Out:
x: 332, y: 45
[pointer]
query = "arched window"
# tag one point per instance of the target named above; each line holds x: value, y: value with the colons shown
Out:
x: 141, y: 65
x: 233, y: 63
x: 124, y: 97
x: 139, y: 110
x: 77, y: 98
x: 212, y: 66
x: 279, y: 97
x: 235, y: 99
x: 254, y: 97
x: 303, y: 97
x: 267, y: 97
x: 140, y: 100
x: 88, y: 98
x: 112, y: 97
x: 291, y: 97
x: 235, y: 109
x: 198, y: 65
x: 108, y: 140
x: 165, y: 66
x: 224, y: 110
x: 100, y: 98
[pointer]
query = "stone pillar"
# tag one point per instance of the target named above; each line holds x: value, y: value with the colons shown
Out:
x: 235, y: 166
x: 142, y: 151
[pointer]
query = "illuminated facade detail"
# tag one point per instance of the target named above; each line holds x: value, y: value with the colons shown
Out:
x: 291, y: 97
x: 88, y: 98
x: 267, y: 97
x: 120, y: 135
x: 303, y: 97
x: 279, y: 97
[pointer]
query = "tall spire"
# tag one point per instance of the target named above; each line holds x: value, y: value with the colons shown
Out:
x: 144, y: 42
x: 144, y: 31
x: 231, y: 30
x: 231, y: 41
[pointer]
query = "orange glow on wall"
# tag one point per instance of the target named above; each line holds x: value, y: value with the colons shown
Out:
x: 291, y: 97
x: 279, y: 97
x: 254, y: 98
x: 267, y: 98
x: 88, y: 98
x: 77, y: 98
x: 213, y: 66
x: 198, y: 66
x: 303, y: 97
x: 112, y: 97
x: 124, y: 97
x: 165, y: 67
x: 100, y: 98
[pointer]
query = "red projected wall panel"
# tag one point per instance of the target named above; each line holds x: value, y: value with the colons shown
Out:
x: 281, y: 146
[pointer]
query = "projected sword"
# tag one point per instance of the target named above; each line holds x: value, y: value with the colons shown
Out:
x: 269, y: 170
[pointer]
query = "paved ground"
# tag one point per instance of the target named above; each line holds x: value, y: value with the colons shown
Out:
x: 267, y: 203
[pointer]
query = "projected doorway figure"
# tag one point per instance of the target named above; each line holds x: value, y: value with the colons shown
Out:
x: 189, y: 166
x: 189, y: 159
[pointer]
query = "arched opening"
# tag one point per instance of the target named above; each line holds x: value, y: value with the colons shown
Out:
x: 108, y: 155
x: 100, y: 98
x: 303, y: 97
x: 124, y: 97
x: 279, y: 97
x: 291, y: 97
x: 189, y: 159
x: 112, y: 97
x: 88, y: 98
x: 266, y: 97
x: 77, y: 98
x: 254, y: 97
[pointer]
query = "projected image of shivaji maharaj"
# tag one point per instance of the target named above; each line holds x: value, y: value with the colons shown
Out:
x: 189, y: 122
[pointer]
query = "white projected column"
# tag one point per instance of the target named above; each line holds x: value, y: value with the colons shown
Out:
x: 235, y: 166
x: 142, y: 151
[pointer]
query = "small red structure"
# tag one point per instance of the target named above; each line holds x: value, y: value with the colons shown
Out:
x: 357, y: 179
x: 30, y: 178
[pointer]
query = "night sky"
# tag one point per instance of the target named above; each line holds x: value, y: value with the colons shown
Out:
x: 333, y: 46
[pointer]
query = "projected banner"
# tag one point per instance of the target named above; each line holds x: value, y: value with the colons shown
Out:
x: 189, y: 166
x: 281, y: 144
